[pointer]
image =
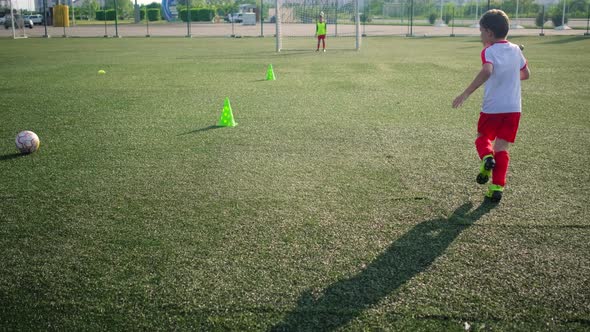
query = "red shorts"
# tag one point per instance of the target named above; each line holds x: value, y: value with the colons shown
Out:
x: 321, y: 37
x: 501, y: 125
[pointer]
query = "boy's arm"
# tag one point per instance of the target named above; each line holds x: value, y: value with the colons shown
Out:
x: 525, y: 73
x: 481, y: 78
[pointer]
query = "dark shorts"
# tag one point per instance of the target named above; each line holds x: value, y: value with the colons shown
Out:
x: 501, y: 125
x: 321, y: 37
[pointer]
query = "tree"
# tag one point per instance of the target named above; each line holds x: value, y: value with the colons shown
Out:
x: 89, y: 7
x: 155, y: 5
x: 449, y: 12
x: 375, y: 7
x: 124, y: 7
x: 578, y: 8
x: 193, y: 3
x: 541, y: 19
x: 557, y: 14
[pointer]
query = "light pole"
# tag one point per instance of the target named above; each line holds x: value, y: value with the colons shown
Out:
x: 261, y: 18
x: 411, y: 19
x: 147, y: 22
x: 12, y: 19
x: 188, y: 19
x: 45, y: 18
x: 563, y: 26
x: 73, y: 14
x: 476, y: 24
x: 104, y: 17
x: 516, y: 25
x: 442, y: 21
x: 116, y: 20
x: 232, y: 18
x: 453, y: 23
x: 336, y: 20
x: 365, y: 17
x: 542, y: 21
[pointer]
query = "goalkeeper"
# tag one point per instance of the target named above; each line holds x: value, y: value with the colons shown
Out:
x: 320, y: 32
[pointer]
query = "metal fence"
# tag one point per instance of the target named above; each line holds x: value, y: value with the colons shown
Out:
x: 393, y: 17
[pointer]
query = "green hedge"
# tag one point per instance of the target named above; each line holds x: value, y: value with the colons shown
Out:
x: 556, y: 17
x: 432, y: 18
x: 110, y: 15
x: 447, y: 17
x: 154, y: 14
x: 197, y: 14
x: 541, y: 19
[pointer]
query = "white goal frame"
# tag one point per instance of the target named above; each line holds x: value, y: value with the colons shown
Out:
x: 279, y: 26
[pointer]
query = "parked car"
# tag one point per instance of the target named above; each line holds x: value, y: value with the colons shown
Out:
x: 35, y: 18
x: 2, y: 19
x: 236, y: 18
x: 18, y: 23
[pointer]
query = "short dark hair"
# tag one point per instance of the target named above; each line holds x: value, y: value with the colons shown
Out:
x: 496, y: 21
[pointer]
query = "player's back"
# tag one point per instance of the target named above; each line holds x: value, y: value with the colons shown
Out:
x: 502, y: 89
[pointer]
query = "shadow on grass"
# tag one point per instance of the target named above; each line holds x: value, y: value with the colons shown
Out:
x: 408, y: 256
x: 200, y: 130
x: 311, y: 52
x: 11, y: 156
x: 565, y: 40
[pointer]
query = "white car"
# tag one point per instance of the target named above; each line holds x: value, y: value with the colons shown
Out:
x: 236, y: 18
x: 35, y: 18
x: 19, y: 23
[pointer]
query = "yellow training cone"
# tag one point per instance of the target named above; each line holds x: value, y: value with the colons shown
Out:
x: 270, y: 75
x: 227, y: 117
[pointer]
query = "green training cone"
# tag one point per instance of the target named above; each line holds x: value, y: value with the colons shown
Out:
x: 227, y: 117
x: 270, y: 74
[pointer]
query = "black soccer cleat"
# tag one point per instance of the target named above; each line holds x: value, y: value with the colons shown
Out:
x: 482, y: 179
x: 495, y: 193
x: 496, y: 197
x: 485, y: 169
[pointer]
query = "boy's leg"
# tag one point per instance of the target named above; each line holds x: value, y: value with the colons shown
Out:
x: 483, y: 145
x: 506, y: 135
x: 502, y: 158
x: 324, y: 43
x: 502, y: 161
x: 486, y: 153
x: 318, y: 48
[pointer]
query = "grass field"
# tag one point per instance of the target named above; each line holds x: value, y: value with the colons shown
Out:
x: 344, y: 199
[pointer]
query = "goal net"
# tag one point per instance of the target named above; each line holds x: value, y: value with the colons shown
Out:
x: 296, y: 24
x: 17, y: 17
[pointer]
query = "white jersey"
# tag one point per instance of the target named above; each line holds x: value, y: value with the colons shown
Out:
x: 502, y: 89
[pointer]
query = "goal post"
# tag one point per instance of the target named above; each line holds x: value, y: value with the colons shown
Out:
x: 17, y: 19
x: 295, y: 22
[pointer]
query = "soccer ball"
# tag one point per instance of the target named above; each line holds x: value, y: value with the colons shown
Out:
x: 27, y: 142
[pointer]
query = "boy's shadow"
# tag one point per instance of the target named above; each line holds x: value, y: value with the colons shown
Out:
x: 408, y: 256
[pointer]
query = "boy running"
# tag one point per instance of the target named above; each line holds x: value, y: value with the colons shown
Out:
x: 503, y: 67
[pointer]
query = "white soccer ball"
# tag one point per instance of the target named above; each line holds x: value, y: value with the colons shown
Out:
x: 27, y: 141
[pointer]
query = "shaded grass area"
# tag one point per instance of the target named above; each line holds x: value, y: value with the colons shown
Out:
x: 344, y: 199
